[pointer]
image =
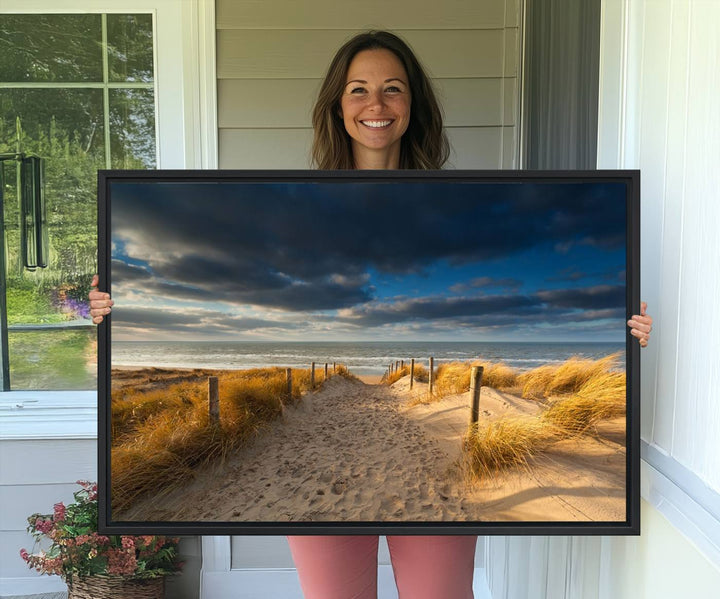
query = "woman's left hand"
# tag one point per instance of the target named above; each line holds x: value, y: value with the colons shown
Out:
x: 641, y: 325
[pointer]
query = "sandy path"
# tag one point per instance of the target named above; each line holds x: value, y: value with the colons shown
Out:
x: 357, y: 452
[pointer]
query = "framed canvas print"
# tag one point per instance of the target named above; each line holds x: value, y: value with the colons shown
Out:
x: 393, y: 352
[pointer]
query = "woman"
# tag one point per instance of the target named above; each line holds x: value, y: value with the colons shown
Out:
x: 376, y: 110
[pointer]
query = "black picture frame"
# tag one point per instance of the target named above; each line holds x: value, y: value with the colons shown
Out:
x: 109, y: 183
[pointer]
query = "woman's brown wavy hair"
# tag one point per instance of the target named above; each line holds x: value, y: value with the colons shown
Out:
x: 424, y: 145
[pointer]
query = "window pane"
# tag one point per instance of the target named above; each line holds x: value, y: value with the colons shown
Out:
x: 53, y: 359
x: 132, y: 128
x: 51, y: 118
x: 130, y: 47
x: 65, y: 128
x: 50, y: 48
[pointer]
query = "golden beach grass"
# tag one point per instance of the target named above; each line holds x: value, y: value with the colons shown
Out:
x: 160, y: 436
x: 601, y: 397
x: 580, y: 393
x: 420, y: 374
x: 568, y: 377
x: 454, y: 377
x: 502, y: 444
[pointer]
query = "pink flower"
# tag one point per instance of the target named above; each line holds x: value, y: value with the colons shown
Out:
x: 24, y: 555
x: 59, y: 512
x: 121, y: 562
x: 128, y: 542
x: 43, y: 526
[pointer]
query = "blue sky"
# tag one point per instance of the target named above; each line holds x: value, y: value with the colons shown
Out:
x: 368, y: 261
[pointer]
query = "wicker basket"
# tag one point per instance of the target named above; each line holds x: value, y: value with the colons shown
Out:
x: 116, y: 587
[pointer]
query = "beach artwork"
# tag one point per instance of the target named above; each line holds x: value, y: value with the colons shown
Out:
x: 379, y: 351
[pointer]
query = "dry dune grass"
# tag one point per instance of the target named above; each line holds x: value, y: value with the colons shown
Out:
x: 502, y: 444
x: 160, y: 436
x: 568, y: 377
x: 420, y: 374
x: 454, y: 377
x: 600, y: 397
x: 579, y: 393
x: 497, y: 375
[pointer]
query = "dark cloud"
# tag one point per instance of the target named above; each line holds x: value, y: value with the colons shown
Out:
x: 129, y: 273
x: 585, y: 298
x: 305, y: 246
x: 207, y: 322
x: 582, y: 304
x: 486, y: 283
x: 435, y: 308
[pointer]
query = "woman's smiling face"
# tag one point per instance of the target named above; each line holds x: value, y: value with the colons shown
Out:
x: 375, y: 106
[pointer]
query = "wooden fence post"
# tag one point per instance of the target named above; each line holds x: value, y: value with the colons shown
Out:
x: 397, y: 364
x: 475, y: 385
x: 412, y: 372
x: 402, y: 364
x: 431, y: 376
x: 288, y: 379
x: 326, y: 371
x: 334, y: 368
x: 213, y: 400
x: 312, y: 376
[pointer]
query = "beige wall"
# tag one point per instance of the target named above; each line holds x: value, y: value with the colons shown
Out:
x: 271, y: 57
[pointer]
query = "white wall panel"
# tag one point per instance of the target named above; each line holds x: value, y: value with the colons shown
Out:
x: 672, y: 229
x: 51, y: 461
x: 697, y: 426
x: 19, y: 501
x: 652, y: 117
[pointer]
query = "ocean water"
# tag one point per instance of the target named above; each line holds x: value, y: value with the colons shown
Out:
x: 362, y: 358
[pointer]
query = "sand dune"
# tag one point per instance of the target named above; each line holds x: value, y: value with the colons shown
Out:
x: 358, y: 452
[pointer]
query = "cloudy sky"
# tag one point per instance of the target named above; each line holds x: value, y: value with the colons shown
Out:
x: 340, y: 261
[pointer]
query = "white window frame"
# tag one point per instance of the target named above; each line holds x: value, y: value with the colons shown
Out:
x: 186, y: 130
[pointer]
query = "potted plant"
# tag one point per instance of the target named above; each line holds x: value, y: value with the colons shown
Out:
x: 95, y: 565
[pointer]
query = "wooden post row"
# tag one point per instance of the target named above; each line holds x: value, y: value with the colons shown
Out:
x: 312, y: 375
x: 213, y: 400
x: 475, y: 385
x: 431, y: 376
x: 412, y: 372
x: 288, y: 378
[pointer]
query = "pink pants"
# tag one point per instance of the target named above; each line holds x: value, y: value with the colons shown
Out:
x: 337, y: 567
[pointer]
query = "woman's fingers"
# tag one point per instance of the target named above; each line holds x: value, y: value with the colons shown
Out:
x: 100, y: 302
x: 641, y: 325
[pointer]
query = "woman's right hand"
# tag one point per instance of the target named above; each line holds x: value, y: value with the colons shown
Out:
x: 100, y: 302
